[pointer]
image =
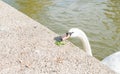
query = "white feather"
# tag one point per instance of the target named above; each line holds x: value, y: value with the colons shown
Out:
x: 112, y: 61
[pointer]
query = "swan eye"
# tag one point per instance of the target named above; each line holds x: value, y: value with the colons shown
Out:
x: 71, y: 33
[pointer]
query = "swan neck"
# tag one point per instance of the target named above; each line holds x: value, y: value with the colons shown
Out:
x: 86, y: 44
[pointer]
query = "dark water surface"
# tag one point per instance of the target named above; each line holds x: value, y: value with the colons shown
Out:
x: 100, y: 19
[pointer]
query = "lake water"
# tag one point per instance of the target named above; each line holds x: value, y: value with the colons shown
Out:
x: 99, y: 19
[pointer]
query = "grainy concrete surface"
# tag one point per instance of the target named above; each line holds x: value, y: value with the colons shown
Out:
x: 27, y: 47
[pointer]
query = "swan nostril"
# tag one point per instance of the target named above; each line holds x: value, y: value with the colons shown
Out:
x: 69, y: 33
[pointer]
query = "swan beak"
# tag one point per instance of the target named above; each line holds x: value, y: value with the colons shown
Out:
x: 66, y: 36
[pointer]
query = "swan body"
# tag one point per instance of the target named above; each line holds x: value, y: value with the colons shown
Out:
x: 112, y: 61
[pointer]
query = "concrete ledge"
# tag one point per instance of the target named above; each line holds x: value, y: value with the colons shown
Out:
x: 27, y: 47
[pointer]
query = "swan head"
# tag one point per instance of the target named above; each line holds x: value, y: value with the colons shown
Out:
x: 73, y: 32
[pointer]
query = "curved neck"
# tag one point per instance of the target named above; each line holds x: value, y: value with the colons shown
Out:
x: 85, y: 42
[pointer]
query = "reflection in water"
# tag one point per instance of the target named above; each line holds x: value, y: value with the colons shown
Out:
x: 33, y: 7
x: 112, y: 12
x: 98, y: 18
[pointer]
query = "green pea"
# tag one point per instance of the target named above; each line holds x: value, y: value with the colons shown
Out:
x: 59, y: 43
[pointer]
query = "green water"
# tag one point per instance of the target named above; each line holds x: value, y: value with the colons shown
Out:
x: 100, y: 19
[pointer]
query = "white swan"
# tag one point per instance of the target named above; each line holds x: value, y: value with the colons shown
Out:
x: 112, y: 61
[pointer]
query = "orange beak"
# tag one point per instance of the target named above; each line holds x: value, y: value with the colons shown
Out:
x: 65, y: 37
